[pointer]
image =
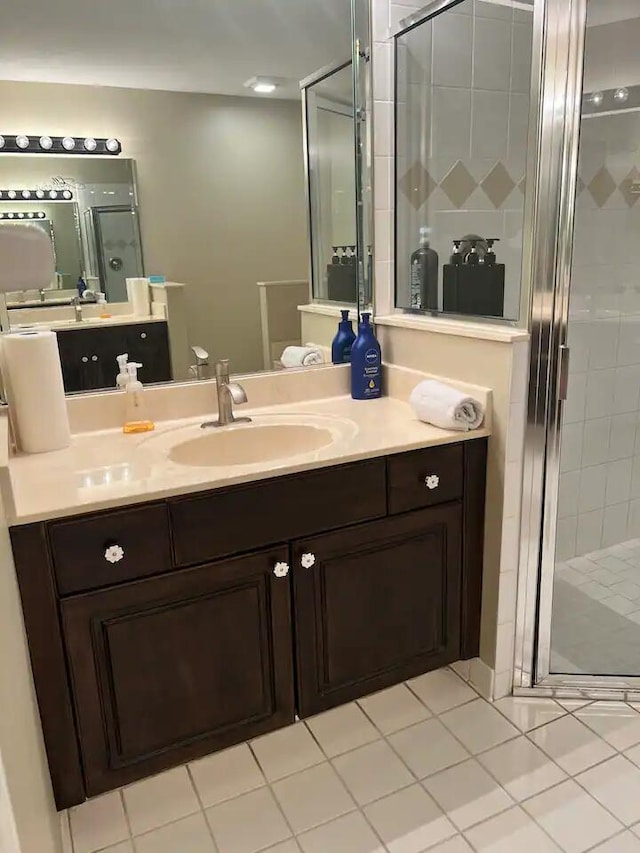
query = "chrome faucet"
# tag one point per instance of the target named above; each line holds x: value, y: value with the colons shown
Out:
x: 228, y: 394
x: 201, y: 368
x: 77, y: 306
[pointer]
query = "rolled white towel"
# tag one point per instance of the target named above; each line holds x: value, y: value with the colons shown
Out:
x: 301, y: 357
x: 445, y: 407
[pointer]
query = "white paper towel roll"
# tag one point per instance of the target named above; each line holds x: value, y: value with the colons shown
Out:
x: 35, y: 391
x: 138, y: 295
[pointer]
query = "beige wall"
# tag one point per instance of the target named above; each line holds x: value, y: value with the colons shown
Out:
x: 221, y: 186
x: 21, y: 746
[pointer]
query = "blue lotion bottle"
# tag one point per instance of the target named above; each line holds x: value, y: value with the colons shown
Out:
x: 366, y: 363
x: 343, y: 341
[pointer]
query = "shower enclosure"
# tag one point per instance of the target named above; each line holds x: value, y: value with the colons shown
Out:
x: 579, y: 602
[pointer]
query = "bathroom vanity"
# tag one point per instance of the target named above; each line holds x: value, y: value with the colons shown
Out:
x: 167, y: 629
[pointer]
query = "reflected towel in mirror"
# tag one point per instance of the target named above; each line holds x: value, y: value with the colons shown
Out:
x: 301, y: 357
x: 446, y: 407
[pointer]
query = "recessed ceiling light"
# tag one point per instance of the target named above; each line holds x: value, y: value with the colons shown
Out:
x: 261, y: 85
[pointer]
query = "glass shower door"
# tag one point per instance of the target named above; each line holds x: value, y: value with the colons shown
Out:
x: 595, y: 623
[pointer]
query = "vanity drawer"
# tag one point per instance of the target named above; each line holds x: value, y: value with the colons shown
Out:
x: 424, y: 478
x: 139, y: 539
x: 253, y: 516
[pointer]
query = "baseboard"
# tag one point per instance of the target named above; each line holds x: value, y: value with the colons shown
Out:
x: 65, y: 832
x: 478, y: 674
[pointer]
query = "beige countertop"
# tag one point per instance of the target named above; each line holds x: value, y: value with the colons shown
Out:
x: 105, y: 469
x: 88, y: 323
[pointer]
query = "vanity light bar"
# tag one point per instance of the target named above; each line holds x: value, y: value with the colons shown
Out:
x: 30, y: 214
x: 41, y: 195
x: 22, y: 144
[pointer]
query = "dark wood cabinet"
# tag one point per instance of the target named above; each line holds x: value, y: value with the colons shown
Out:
x: 376, y: 604
x: 88, y: 356
x: 167, y: 669
x: 183, y: 639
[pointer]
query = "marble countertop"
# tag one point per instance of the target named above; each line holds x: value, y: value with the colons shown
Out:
x: 107, y: 469
x: 88, y: 323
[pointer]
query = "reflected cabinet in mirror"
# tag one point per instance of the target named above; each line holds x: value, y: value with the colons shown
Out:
x: 195, y: 168
x: 462, y: 112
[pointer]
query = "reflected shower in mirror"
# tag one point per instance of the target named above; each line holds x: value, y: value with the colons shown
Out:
x: 207, y: 198
x: 462, y: 112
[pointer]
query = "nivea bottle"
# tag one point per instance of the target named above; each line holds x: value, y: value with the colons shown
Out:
x: 366, y: 363
x: 343, y: 341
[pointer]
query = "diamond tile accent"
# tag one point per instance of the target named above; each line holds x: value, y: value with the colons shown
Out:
x: 498, y: 185
x: 602, y: 186
x: 458, y: 184
x: 630, y: 187
x: 416, y: 185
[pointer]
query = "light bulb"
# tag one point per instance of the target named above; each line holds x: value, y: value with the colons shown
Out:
x: 22, y: 142
x: 26, y: 194
x: 621, y: 95
x: 67, y: 194
x: 112, y: 145
x: 29, y: 215
x: 597, y: 98
x: 53, y: 194
x: 9, y: 215
x: 41, y: 215
x: 1, y: 141
x: 90, y: 144
x: 68, y: 143
x: 264, y: 88
x: 46, y: 143
x: 11, y: 193
x: 39, y: 193
x: 21, y: 216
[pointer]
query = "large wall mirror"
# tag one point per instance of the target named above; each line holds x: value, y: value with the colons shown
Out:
x: 196, y: 168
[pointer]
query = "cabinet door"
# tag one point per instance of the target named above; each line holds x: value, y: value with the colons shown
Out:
x: 172, y: 668
x: 376, y: 604
x: 148, y: 343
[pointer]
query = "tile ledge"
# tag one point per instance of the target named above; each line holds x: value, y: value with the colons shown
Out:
x: 459, y: 328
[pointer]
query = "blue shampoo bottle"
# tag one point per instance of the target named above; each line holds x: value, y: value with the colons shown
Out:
x: 366, y: 363
x: 343, y: 341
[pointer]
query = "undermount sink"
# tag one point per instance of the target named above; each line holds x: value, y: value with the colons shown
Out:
x: 267, y: 438
x: 250, y: 443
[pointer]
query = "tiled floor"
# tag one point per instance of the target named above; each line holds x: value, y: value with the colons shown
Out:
x: 427, y: 765
x: 595, y: 627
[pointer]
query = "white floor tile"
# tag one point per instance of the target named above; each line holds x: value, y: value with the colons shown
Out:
x: 124, y: 847
x: 394, y: 709
x: 571, y: 744
x: 441, y: 690
x: 621, y: 605
x: 511, y: 832
x: 289, y: 846
x: 615, y: 784
x: 521, y: 768
x: 286, y: 751
x: 427, y: 748
x: 572, y: 818
x: 98, y: 823
x: 350, y: 833
x: 159, y: 800
x: 342, y: 729
x: 616, y: 722
x: 372, y: 771
x: 478, y: 726
x: 467, y: 794
x: 457, y: 844
x: 247, y: 823
x: 573, y: 704
x: 189, y: 835
x: 528, y: 713
x: 625, y: 843
x: 409, y: 821
x: 226, y: 774
x: 313, y: 797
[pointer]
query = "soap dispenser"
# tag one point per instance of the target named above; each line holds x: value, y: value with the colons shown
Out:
x: 343, y: 341
x: 122, y: 379
x: 134, y: 419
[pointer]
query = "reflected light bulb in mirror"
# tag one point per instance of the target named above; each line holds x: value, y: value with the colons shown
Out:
x: 66, y: 194
x: 1, y: 141
x: 22, y: 142
x: 26, y: 194
x: 41, y: 215
x: 621, y: 95
x: 40, y: 193
x: 112, y: 145
x: 597, y: 98
x: 264, y: 88
x: 68, y: 143
x: 90, y: 144
x: 46, y: 143
x: 53, y: 194
x: 9, y: 215
x: 29, y: 215
x: 11, y: 193
x: 21, y: 216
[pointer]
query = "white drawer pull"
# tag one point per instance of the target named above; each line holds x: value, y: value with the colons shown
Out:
x: 307, y: 560
x: 281, y: 570
x: 432, y: 481
x: 113, y: 554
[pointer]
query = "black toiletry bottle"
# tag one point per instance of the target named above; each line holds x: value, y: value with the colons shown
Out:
x: 423, y: 287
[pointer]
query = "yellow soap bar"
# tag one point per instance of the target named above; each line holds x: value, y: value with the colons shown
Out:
x: 138, y: 426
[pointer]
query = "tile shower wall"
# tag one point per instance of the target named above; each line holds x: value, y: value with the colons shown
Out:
x: 463, y: 106
x: 599, y: 500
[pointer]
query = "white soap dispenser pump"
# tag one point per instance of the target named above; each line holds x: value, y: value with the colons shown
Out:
x: 135, y: 419
x: 122, y: 379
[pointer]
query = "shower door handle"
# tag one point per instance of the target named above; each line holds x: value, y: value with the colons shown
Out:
x: 563, y: 381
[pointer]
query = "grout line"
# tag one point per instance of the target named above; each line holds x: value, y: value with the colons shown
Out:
x: 202, y: 808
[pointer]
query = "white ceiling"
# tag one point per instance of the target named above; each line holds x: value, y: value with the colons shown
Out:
x: 608, y: 11
x: 178, y: 45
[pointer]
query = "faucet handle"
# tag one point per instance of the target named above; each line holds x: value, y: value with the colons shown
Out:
x: 201, y: 355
